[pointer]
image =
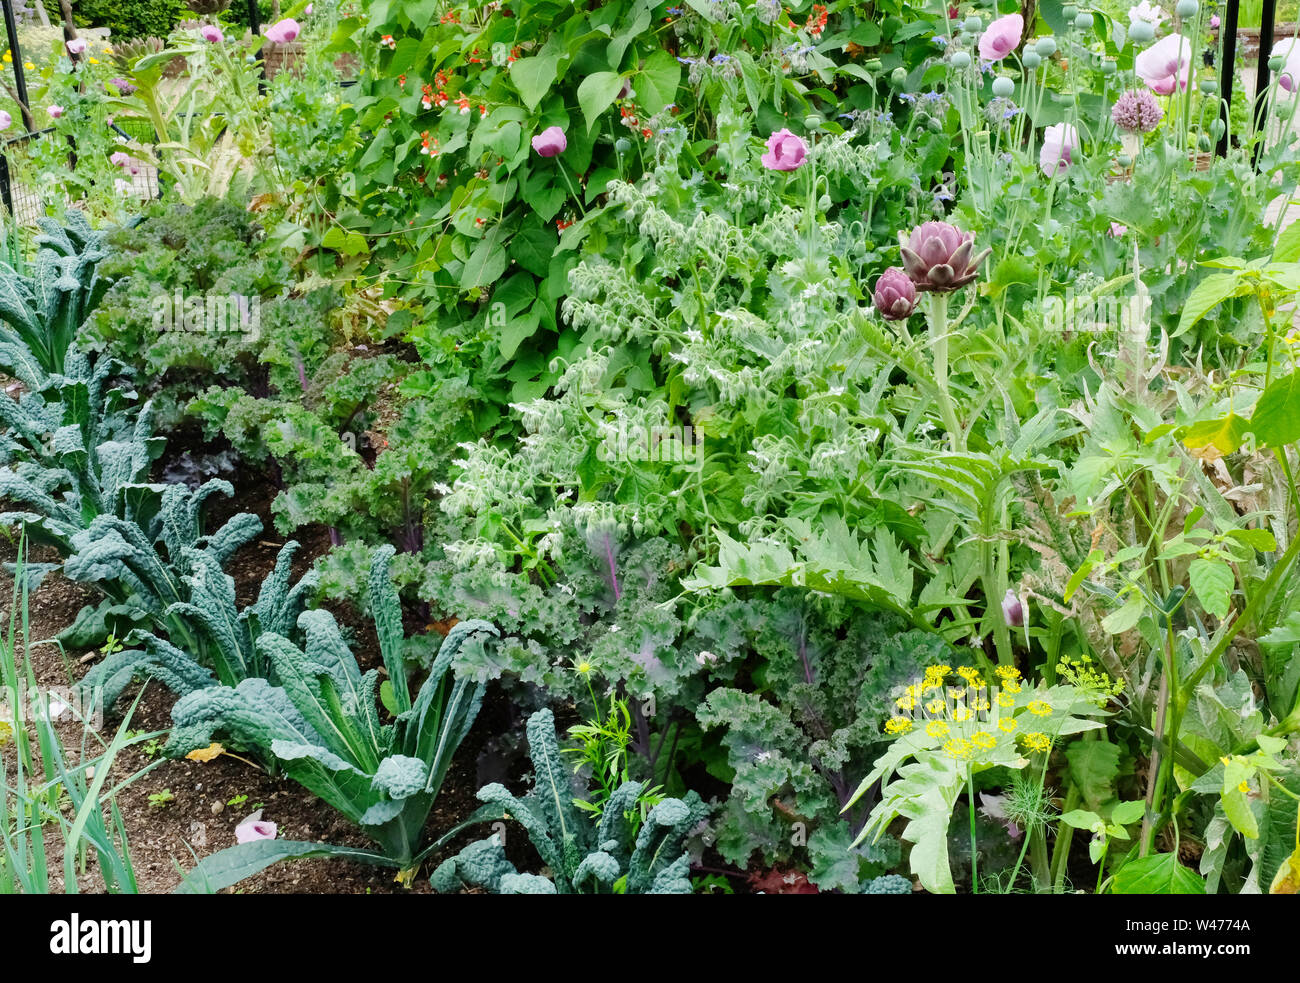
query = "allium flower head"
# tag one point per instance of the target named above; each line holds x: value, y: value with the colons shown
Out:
x: 1137, y: 112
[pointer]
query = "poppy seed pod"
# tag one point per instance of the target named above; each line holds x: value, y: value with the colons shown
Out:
x: 940, y: 257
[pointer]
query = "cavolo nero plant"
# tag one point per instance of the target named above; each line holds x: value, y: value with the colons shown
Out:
x: 617, y: 853
x: 323, y: 725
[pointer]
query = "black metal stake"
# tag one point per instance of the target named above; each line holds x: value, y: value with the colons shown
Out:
x: 20, y: 77
x: 1227, y: 71
x: 1262, y: 74
x: 255, y: 25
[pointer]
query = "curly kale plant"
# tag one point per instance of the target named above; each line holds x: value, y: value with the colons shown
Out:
x: 322, y: 724
x: 583, y: 856
x: 799, y: 744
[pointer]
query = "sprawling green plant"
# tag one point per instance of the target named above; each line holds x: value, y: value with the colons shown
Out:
x: 616, y: 855
x: 799, y: 743
x: 322, y: 723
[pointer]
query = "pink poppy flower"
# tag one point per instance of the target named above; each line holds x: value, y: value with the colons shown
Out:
x: 1002, y: 37
x: 283, y: 31
x: 6, y: 120
x: 1059, y: 142
x: 255, y: 828
x: 77, y: 46
x: 1166, y: 65
x: 1289, y: 73
x: 551, y: 142
x: 785, y: 151
x: 1117, y: 230
x: 211, y: 33
x: 55, y: 111
x: 1013, y: 610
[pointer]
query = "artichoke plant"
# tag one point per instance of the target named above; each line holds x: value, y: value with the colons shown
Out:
x: 939, y: 257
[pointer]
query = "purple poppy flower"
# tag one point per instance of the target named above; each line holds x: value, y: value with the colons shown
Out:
x: 1059, y: 142
x: 283, y: 31
x: 1013, y: 610
x: 785, y: 151
x: 551, y: 142
x: 1002, y: 37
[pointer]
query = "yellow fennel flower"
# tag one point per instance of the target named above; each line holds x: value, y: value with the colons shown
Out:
x: 983, y: 739
x: 1006, y: 700
x: 1037, y: 742
x: 1007, y: 724
x: 1040, y: 708
x: 898, y: 725
x: 936, y: 706
x: 936, y: 728
x: 956, y: 749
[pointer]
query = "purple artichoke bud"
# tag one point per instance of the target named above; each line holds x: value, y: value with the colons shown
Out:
x: 895, y: 295
x: 940, y: 257
x: 1013, y: 610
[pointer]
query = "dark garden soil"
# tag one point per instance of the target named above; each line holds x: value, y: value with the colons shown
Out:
x: 200, y: 818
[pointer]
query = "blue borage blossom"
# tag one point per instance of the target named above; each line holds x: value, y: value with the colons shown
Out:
x: 720, y: 59
x: 941, y: 40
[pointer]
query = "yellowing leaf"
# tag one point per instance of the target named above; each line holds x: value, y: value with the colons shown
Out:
x: 1223, y: 435
x: 209, y: 753
x: 1287, y: 879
